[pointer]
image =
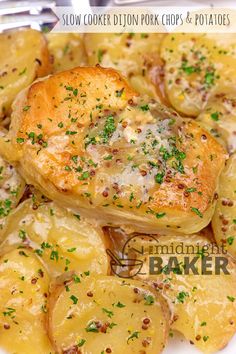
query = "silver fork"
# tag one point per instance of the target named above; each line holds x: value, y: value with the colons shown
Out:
x: 34, y: 14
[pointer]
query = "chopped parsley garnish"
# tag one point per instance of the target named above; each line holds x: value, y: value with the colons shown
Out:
x: 5, y: 207
x: 90, y: 140
x: 75, y: 92
x: 215, y: 116
x: 54, y: 255
x: 205, y: 338
x: 231, y: 298
x: 109, y: 128
x: 26, y: 108
x: 60, y: 125
x: 230, y: 240
x: 51, y: 212
x: 119, y: 304
x: 160, y: 215
x: 39, y: 252
x: 45, y: 245
x: 145, y: 108
x: 100, y: 55
x: 189, y: 69
x: 91, y: 327
x: 84, y: 175
x: 71, y: 249
x: 190, y: 190
x: 44, y: 308
x: 197, y: 212
x: 108, y: 157
x: 103, y: 137
x: 9, y: 311
x: 108, y: 312
x: 76, y: 278
x: 112, y: 324
x: 22, y: 72
x: 149, y: 300
x: 20, y: 140
x: 181, y: 296
x: 81, y: 342
x: 133, y: 336
x: 75, y: 159
x: 74, y: 299
x: 209, y: 78
x: 22, y: 235
x: 70, y: 132
x: 159, y: 177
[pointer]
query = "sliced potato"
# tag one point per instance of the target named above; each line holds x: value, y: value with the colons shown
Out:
x: 219, y: 117
x: 67, y: 50
x: 135, y: 55
x: 106, y: 315
x: 24, y: 290
x: 63, y: 242
x: 203, y: 305
x: 195, y: 66
x: 24, y: 57
x: 224, y: 219
x: 11, y: 187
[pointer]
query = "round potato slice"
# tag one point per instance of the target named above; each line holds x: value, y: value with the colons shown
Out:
x: 195, y: 66
x: 224, y: 219
x: 24, y: 57
x: 11, y: 188
x: 61, y: 239
x: 24, y: 290
x: 202, y: 297
x: 67, y: 50
x: 219, y: 117
x: 135, y: 55
x: 106, y: 315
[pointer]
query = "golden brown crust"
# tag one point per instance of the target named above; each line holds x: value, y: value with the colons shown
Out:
x: 200, y: 151
x: 93, y: 84
x: 83, y: 138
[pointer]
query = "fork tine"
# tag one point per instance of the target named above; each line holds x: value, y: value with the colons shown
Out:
x: 34, y: 14
x: 13, y: 7
x: 33, y: 21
